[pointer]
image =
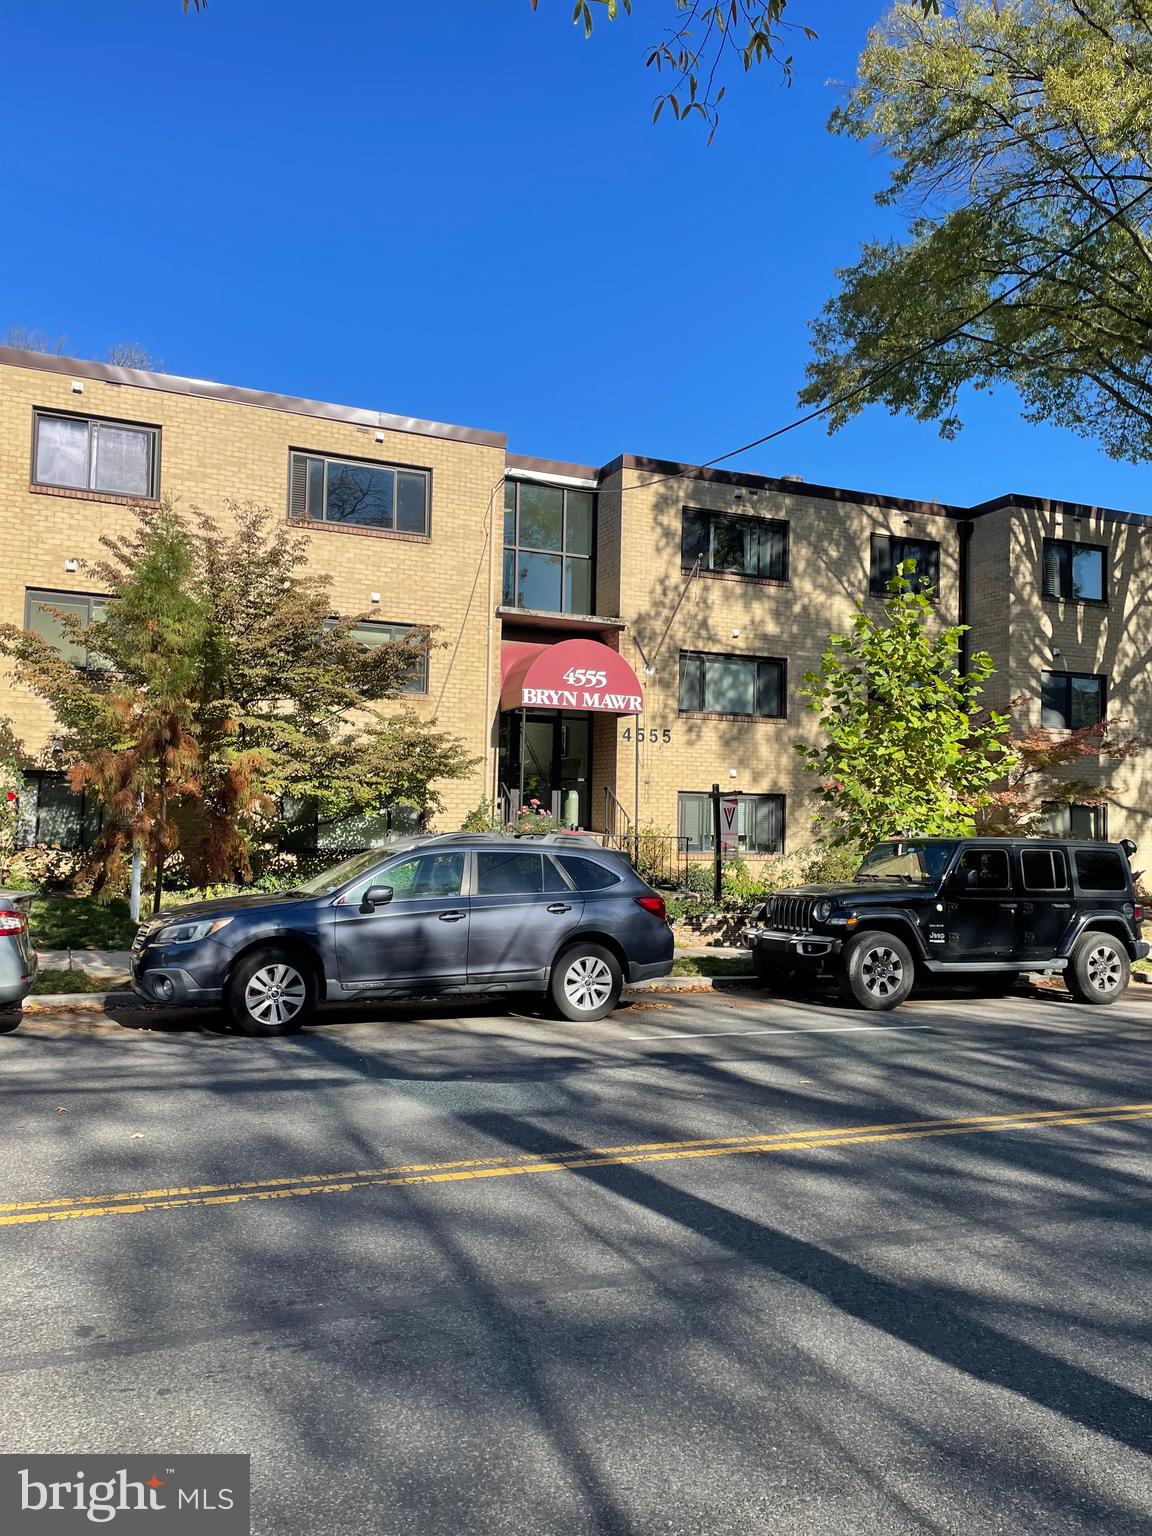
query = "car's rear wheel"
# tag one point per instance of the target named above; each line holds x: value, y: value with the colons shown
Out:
x: 877, y: 970
x: 10, y: 1019
x: 271, y: 992
x: 586, y: 983
x: 1098, y: 969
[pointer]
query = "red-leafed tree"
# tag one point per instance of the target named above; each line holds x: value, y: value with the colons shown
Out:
x: 1037, y: 781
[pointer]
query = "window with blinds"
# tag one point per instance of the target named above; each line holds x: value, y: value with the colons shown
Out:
x: 358, y: 494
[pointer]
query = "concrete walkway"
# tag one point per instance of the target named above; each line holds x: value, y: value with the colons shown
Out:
x: 109, y: 964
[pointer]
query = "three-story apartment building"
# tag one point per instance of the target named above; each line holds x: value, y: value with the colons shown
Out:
x: 610, y: 641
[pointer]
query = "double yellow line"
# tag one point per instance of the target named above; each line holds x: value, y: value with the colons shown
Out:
x: 176, y: 1197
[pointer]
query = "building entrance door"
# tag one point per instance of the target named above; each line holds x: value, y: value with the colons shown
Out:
x: 546, y: 755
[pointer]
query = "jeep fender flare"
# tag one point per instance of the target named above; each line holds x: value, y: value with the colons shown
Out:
x: 1111, y: 923
x: 892, y: 921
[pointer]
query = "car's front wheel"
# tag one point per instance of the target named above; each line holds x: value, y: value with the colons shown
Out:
x: 271, y: 992
x: 1098, y: 969
x: 586, y: 983
x: 877, y: 970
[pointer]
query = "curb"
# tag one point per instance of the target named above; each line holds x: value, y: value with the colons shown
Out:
x: 100, y: 1002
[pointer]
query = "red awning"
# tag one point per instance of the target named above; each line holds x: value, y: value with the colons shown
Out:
x: 573, y: 674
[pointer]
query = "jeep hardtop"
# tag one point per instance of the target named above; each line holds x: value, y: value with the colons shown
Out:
x: 982, y: 909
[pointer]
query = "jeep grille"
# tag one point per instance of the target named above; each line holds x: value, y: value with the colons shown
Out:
x: 792, y: 914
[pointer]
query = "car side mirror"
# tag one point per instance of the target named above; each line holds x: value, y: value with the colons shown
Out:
x: 376, y: 896
x: 962, y: 880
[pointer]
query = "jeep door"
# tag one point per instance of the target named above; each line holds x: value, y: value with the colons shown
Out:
x: 522, y: 909
x: 981, y: 906
x: 420, y: 936
x: 1045, y: 901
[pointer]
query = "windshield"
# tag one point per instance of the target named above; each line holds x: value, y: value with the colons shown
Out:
x: 330, y: 880
x: 920, y: 863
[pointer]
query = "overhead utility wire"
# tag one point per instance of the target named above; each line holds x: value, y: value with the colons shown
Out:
x: 928, y: 346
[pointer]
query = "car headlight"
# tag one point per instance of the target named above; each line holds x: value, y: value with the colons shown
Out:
x: 189, y: 933
x: 822, y: 911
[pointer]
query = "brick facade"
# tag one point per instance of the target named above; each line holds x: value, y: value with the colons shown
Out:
x: 219, y: 445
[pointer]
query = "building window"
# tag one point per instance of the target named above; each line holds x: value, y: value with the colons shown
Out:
x: 548, y: 540
x: 1071, y: 700
x: 1073, y: 571
x: 1087, y: 821
x: 357, y: 494
x: 305, y: 831
x: 373, y: 635
x: 890, y: 552
x: 732, y: 685
x: 741, y: 546
x: 759, y: 822
x: 52, y: 813
x: 81, y: 454
x: 42, y: 615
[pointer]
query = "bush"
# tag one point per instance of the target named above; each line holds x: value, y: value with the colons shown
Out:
x: 46, y: 868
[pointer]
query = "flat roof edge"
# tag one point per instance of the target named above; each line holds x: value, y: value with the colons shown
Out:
x: 231, y: 394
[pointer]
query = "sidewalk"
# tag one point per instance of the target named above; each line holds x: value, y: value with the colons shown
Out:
x: 109, y: 964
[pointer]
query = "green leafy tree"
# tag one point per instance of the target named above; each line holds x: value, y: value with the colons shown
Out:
x: 225, y: 686
x: 1019, y: 135
x: 908, y: 751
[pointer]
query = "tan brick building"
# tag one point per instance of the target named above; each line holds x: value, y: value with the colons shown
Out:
x: 703, y: 594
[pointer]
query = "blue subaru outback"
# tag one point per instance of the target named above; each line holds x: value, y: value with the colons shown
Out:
x: 431, y: 916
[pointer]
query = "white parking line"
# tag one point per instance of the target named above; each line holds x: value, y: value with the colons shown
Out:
x: 831, y: 1029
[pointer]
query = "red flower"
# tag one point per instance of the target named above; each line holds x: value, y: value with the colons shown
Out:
x: 11, y: 795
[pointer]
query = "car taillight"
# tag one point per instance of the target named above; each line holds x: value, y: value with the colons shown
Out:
x: 654, y: 904
x: 12, y: 921
x: 1138, y: 913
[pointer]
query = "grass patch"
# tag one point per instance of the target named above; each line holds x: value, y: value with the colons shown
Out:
x: 1142, y: 965
x: 70, y: 981
x: 711, y: 965
x: 78, y: 922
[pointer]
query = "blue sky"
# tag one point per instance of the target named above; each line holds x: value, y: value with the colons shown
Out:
x: 461, y: 210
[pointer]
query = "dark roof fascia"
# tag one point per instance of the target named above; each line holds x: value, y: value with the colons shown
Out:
x: 137, y: 378
x: 1064, y: 508
x: 782, y: 487
x: 556, y: 467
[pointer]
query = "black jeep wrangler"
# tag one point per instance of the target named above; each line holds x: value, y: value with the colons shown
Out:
x: 981, y: 909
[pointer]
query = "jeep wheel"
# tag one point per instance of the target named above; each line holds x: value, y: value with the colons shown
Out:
x: 586, y: 983
x: 877, y: 970
x: 1098, y: 969
x: 271, y: 993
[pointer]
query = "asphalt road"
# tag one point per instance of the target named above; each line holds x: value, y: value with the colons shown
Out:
x: 715, y: 1265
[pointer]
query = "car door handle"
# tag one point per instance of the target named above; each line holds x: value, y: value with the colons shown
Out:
x: 1007, y: 906
x: 560, y: 906
x: 452, y: 917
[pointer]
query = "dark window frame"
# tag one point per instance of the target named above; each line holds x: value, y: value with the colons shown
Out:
x: 34, y: 779
x: 1067, y: 679
x: 1099, y: 814
x: 689, y: 562
x: 563, y: 554
x: 984, y: 851
x: 1066, y: 593
x: 56, y: 597
x: 42, y: 413
x: 404, y: 631
x: 705, y: 657
x: 304, y: 517
x: 705, y: 847
x: 1081, y: 856
x: 894, y: 555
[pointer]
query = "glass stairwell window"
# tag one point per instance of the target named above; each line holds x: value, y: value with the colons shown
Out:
x: 549, y: 532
